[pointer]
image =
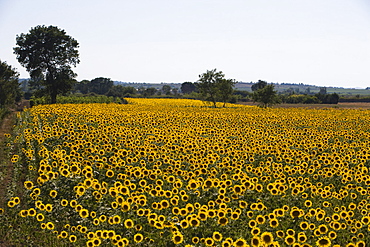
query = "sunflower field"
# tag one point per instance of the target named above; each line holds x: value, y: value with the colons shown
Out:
x: 172, y: 172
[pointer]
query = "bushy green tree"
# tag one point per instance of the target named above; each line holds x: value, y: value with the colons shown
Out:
x: 166, y: 89
x: 82, y: 86
x: 225, y: 90
x: 188, y: 87
x: 258, y: 85
x: 121, y: 91
x: 100, y: 85
x: 266, y: 96
x: 213, y: 86
x: 48, y: 54
x: 9, y: 86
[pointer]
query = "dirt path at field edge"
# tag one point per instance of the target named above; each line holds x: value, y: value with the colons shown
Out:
x: 5, y: 165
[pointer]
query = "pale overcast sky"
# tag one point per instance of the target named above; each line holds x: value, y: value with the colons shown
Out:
x: 317, y: 42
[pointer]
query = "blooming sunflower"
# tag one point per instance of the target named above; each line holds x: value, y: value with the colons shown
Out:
x: 267, y: 238
x: 323, y: 242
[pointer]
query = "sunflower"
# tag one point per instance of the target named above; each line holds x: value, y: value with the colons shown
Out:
x: 184, y: 224
x: 11, y: 204
x: 109, y: 173
x: 255, y: 231
x: 129, y: 223
x: 138, y: 238
x: 28, y: 185
x: 73, y: 203
x: 240, y: 243
x: 260, y: 219
x: 323, y: 229
x: 332, y: 235
x: 226, y: 244
x: 235, y: 216
x: 64, y: 202
x: 361, y: 244
x: 40, y: 217
x: 209, y: 241
x: 323, y: 242
x: 290, y: 232
x: 23, y: 213
x: 217, y: 236
x: 84, y: 213
x: 295, y: 213
x: 125, y: 206
x: 274, y: 223
x: 177, y: 238
x: 96, y: 242
x: 255, y: 241
x: 49, y: 225
x: 267, y: 238
x: 48, y: 207
x: 72, y: 238
x: 194, y: 222
x: 31, y: 212
x: 289, y: 240
x: 63, y: 234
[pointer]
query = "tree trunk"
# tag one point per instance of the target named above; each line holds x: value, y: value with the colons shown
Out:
x: 53, y: 97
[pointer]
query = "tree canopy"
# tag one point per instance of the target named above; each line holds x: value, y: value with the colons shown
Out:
x: 188, y: 87
x: 213, y: 86
x: 9, y: 86
x: 48, y: 53
x: 265, y: 94
x: 258, y: 85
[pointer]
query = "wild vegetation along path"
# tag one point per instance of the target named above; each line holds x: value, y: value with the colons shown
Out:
x: 6, y: 167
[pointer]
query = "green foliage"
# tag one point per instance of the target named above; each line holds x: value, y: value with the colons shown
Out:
x: 48, y: 54
x: 266, y: 96
x: 188, y: 87
x: 9, y: 86
x: 300, y: 99
x: 354, y: 99
x: 241, y: 95
x: 328, y: 98
x: 259, y: 85
x: 166, y: 89
x: 3, y: 112
x: 99, y: 85
x: 82, y: 99
x: 213, y: 86
x: 121, y: 91
x: 147, y: 92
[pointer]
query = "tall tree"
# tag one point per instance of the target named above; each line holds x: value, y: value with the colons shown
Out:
x: 213, y: 86
x: 9, y: 86
x: 166, y: 89
x: 266, y: 95
x: 100, y: 85
x: 48, y: 54
x: 121, y: 91
x: 188, y: 87
x: 225, y: 90
x: 258, y: 85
